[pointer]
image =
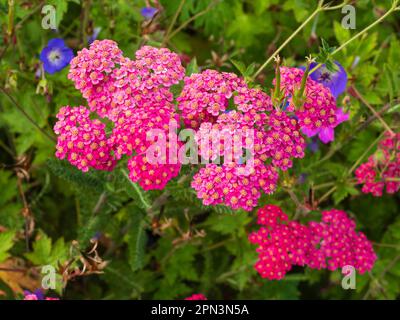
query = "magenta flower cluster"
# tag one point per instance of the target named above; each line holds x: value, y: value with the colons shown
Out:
x: 82, y: 141
x: 332, y: 243
x: 382, y: 168
x: 134, y: 96
x: 234, y: 185
x: 318, y: 115
x: 222, y: 101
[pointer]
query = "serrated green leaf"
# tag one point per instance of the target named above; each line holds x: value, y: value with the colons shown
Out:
x: 6, y: 243
x: 137, y: 240
x: 45, y: 253
x: 240, y: 66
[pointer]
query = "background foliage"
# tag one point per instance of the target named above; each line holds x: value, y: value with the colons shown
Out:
x: 166, y: 245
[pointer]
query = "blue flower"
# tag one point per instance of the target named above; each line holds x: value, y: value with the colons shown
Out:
x: 56, y: 56
x: 313, y: 145
x: 335, y: 81
x: 94, y: 36
x: 302, y: 178
x: 148, y: 12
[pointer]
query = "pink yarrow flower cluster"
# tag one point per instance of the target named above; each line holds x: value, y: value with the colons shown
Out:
x: 332, y: 243
x: 319, y: 114
x: 222, y: 102
x: 134, y: 95
x: 382, y: 168
x: 234, y: 185
x: 82, y: 141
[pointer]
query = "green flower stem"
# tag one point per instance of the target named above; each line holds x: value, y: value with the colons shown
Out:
x: 10, y: 27
x: 355, y: 165
x: 321, y: 7
x: 388, y: 13
x: 326, y: 195
x: 178, y: 11
x: 183, y: 25
x: 138, y: 191
x: 27, y: 116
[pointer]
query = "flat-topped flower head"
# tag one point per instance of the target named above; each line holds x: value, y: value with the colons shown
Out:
x: 82, y: 141
x: 318, y: 114
x: 382, y: 168
x: 283, y: 140
x: 233, y: 185
x: 209, y: 94
x: 331, y: 243
x: 150, y: 175
x: 112, y: 83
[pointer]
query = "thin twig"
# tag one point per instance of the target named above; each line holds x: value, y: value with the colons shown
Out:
x: 321, y: 7
x: 27, y: 116
x: 178, y: 11
x: 355, y: 165
x: 389, y: 12
x: 99, y: 203
x: 183, y: 25
x: 376, y: 114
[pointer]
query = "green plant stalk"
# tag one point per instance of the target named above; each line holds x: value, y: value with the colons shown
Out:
x: 321, y: 7
x: 27, y: 116
x: 355, y: 165
x: 10, y: 27
x: 277, y: 92
x: 138, y: 191
x: 86, y: 8
x: 184, y: 24
x: 376, y: 114
x: 388, y: 13
x: 166, y: 37
x: 283, y: 45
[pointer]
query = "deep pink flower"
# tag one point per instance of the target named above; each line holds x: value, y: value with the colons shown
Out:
x: 382, y: 169
x: 83, y: 141
x: 332, y: 243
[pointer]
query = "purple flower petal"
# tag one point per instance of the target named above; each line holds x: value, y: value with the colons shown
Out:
x: 341, y: 116
x: 335, y: 81
x: 148, y: 12
x: 327, y: 135
x: 308, y: 132
x: 56, y: 42
x: 94, y: 36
